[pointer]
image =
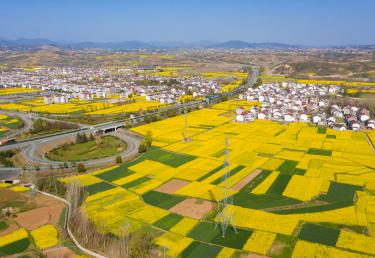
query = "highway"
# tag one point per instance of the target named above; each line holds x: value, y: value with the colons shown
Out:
x: 29, y: 146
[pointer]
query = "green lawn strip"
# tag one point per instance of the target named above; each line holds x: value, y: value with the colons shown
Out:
x: 284, y: 246
x: 299, y: 171
x: 136, y: 182
x: 198, y: 249
x: 210, y: 173
x: 15, y: 247
x: 87, y: 150
x: 206, y: 232
x: 201, y: 127
x: 155, y: 154
x: 62, y: 218
x: 263, y: 201
x: 115, y: 174
x: 232, y: 172
x: 233, y: 239
x: 168, y: 221
x: 331, y: 136
x: 3, y: 225
x: 231, y: 133
x: 319, y: 234
x: 121, y: 171
x: 279, y: 185
x: 218, y: 154
x: 98, y: 187
x: 168, y: 158
x: 339, y: 192
x: 322, y: 130
x: 256, y: 181
x: 319, y: 208
x: 321, y: 152
x: 161, y: 200
x: 207, y: 126
x: 288, y: 167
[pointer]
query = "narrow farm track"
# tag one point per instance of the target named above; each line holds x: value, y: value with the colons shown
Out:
x: 69, y: 231
x: 370, y: 142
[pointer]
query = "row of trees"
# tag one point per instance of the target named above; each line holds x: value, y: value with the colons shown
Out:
x: 41, y: 125
x: 127, y: 243
x: 82, y: 138
x: 5, y: 157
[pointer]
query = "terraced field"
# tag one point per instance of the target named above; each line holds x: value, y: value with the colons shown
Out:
x: 298, y: 190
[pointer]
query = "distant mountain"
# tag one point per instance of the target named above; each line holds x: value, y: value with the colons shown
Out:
x: 243, y: 44
x: 112, y: 45
x: 134, y: 44
x: 26, y: 42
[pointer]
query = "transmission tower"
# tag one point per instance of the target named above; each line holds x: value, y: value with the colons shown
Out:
x: 224, y: 216
x: 186, y: 137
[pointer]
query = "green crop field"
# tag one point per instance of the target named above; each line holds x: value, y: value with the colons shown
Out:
x: 109, y: 146
x: 293, y: 189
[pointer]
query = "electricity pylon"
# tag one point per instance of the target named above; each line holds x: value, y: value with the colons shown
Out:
x: 186, y: 137
x: 224, y: 216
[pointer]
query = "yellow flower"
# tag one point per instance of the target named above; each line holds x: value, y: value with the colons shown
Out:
x: 13, y: 237
x: 45, y: 236
x: 260, y: 242
x: 19, y: 188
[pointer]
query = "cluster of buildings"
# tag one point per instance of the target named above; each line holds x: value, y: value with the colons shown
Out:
x: 88, y: 83
x: 351, y: 116
x: 293, y: 102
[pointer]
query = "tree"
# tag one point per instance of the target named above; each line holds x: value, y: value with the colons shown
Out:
x: 81, y: 168
x: 98, y: 139
x: 118, y: 160
x: 142, y: 147
x: 148, y: 138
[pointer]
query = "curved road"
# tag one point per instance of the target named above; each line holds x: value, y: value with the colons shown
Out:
x: 31, y: 155
x: 26, y: 119
x: 29, y: 146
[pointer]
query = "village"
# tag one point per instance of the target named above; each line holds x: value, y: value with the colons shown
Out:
x: 309, y: 103
x: 65, y: 83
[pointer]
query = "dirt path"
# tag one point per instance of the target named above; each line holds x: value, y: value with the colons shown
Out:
x: 247, y: 179
x: 370, y: 142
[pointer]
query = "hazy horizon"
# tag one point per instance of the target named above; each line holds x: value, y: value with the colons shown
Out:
x: 310, y: 22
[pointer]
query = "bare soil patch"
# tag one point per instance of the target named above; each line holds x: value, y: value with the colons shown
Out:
x: 40, y: 216
x: 172, y: 186
x: 253, y: 256
x: 193, y: 208
x: 247, y: 179
x: 60, y: 251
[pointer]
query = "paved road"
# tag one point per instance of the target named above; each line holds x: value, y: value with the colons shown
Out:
x: 26, y: 119
x: 132, y: 142
x: 29, y: 146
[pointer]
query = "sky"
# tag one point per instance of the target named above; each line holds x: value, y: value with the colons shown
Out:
x: 305, y: 22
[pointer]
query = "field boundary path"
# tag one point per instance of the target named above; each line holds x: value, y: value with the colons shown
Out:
x: 370, y: 142
x: 66, y: 225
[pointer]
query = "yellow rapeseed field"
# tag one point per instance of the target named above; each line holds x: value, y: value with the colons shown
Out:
x: 45, y: 236
x: 13, y: 237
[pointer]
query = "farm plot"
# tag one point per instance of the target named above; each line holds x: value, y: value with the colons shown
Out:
x: 286, y: 181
